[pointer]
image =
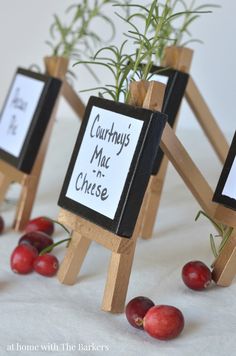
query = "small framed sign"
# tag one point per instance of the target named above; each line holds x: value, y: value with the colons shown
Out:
x: 24, y: 117
x: 225, y: 192
x: 111, y: 164
x: 176, y: 83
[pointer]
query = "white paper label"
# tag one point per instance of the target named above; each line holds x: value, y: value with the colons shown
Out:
x: 18, y: 113
x: 103, y: 161
x: 230, y: 184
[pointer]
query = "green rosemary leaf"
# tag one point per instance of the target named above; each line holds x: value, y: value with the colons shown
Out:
x: 213, y: 246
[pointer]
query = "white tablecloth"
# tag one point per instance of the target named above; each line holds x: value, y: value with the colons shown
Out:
x: 42, y: 317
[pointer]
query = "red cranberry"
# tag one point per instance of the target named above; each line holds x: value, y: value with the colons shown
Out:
x: 40, y: 224
x: 163, y: 322
x: 38, y: 239
x: 46, y: 265
x: 1, y: 225
x: 22, y: 259
x: 196, y: 275
x: 136, y: 309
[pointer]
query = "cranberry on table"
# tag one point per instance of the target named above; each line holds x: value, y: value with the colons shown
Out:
x: 22, y: 259
x: 163, y: 322
x: 40, y: 224
x: 136, y: 309
x: 196, y: 275
x: 46, y: 265
x: 1, y: 224
x: 38, y: 239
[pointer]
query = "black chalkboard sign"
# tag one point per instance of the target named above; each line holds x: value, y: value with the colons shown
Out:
x: 225, y: 192
x: 24, y: 117
x: 111, y: 164
x: 176, y: 82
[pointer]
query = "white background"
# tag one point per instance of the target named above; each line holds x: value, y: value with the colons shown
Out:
x: 24, y: 28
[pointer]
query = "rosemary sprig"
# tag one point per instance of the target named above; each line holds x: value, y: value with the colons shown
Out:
x: 125, y: 66
x: 119, y: 65
x: 224, y: 231
x: 148, y: 41
x: 175, y: 32
x: 78, y: 36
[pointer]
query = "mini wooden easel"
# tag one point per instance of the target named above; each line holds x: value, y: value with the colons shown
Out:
x: 180, y: 59
x: 83, y: 232
x: 56, y: 67
x: 224, y: 267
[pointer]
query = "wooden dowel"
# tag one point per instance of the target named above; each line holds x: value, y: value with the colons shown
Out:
x: 225, y: 265
x: 206, y: 120
x: 117, y: 282
x: 179, y: 59
x: 225, y: 215
x: 73, y: 260
x: 4, y: 185
x: 56, y: 66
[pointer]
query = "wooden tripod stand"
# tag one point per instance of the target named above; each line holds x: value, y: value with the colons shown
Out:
x: 180, y: 59
x: 56, y: 67
x: 83, y: 232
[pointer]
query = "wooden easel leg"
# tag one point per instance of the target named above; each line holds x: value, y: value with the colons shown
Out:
x: 117, y: 282
x: 206, y: 120
x: 25, y: 203
x: 187, y: 170
x: 225, y: 265
x: 73, y: 99
x: 72, y: 262
x: 4, y: 185
x: 153, y: 199
x: 30, y: 182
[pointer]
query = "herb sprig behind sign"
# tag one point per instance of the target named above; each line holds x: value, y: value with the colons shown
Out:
x: 148, y: 39
x: 79, y: 34
x: 224, y: 232
x: 78, y: 38
x: 175, y: 32
x: 125, y: 65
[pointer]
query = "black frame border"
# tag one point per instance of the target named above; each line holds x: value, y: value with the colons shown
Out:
x: 140, y: 170
x: 24, y: 162
x: 174, y: 93
x: 218, y: 197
